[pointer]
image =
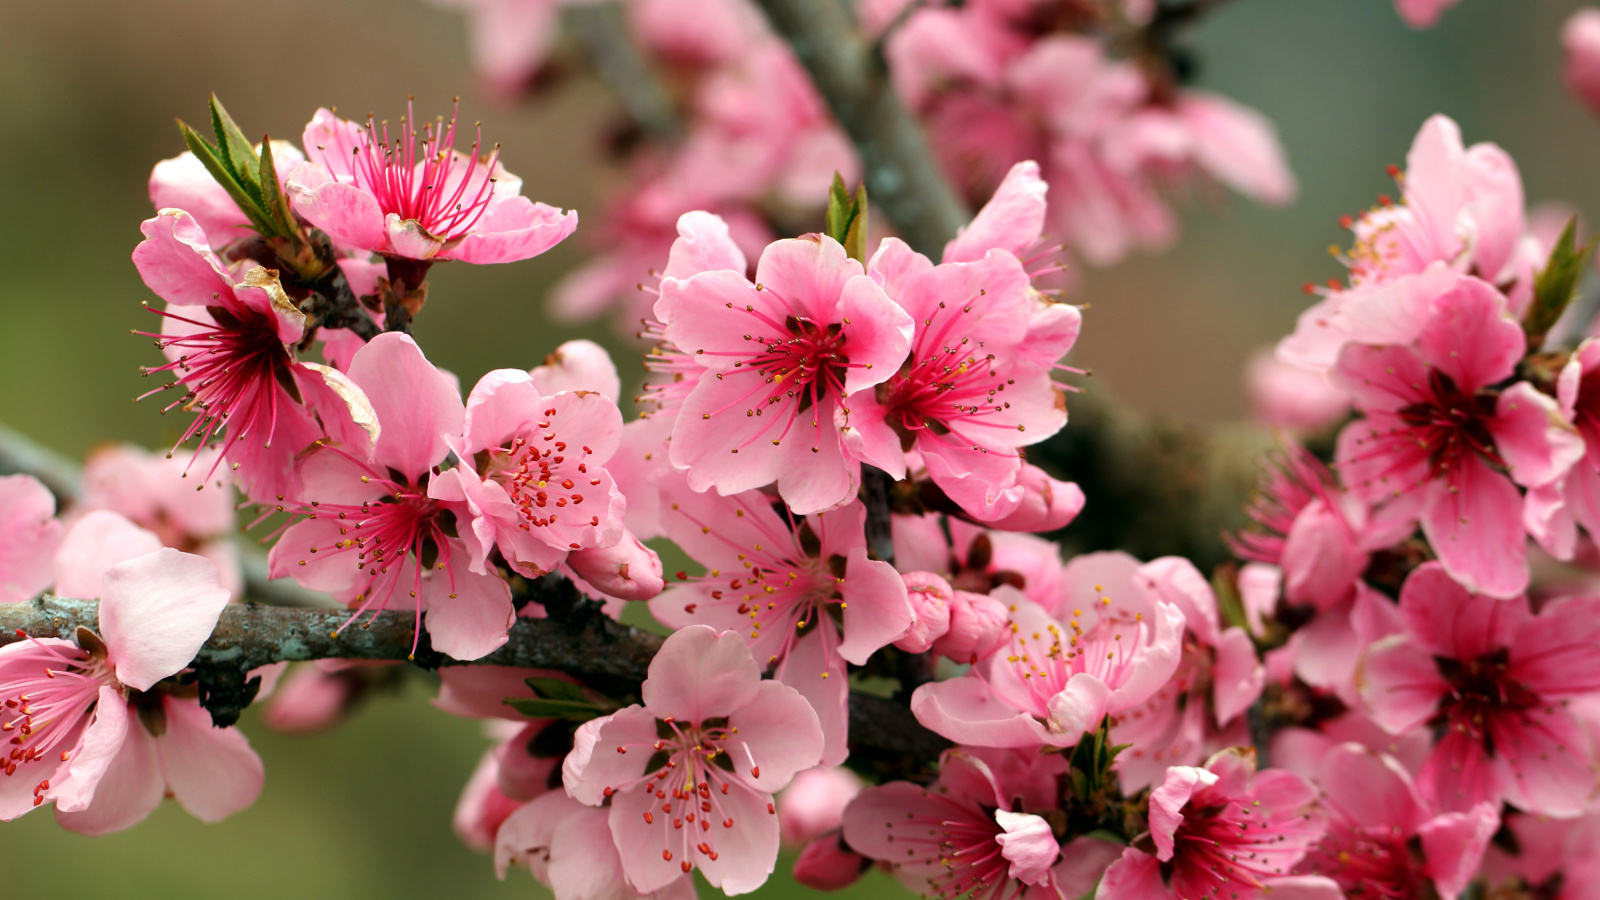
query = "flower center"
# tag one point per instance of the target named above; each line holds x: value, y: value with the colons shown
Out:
x: 49, y: 691
x: 1369, y: 864
x: 1479, y: 691
x: 958, y: 839
x: 545, y: 480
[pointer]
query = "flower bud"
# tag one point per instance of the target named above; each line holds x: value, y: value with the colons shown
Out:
x: 1581, y: 39
x: 826, y: 864
x: 930, y: 604
x: 628, y: 570
x: 977, y: 622
x: 814, y: 803
x: 1047, y: 504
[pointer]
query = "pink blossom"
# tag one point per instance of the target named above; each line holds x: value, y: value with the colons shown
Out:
x: 29, y: 534
x: 87, y: 743
x: 968, y: 396
x: 1558, y: 858
x: 1429, y: 428
x: 227, y: 341
x: 696, y: 33
x: 372, y: 534
x: 1301, y: 749
x: 311, y: 699
x: 778, y: 584
x: 704, y: 701
x: 1422, y: 13
x: 579, y: 365
x: 1060, y: 676
x: 95, y: 543
x: 568, y: 847
x: 977, y: 626
x: 1493, y: 679
x: 931, y: 599
x: 183, y: 182
x: 812, y: 331
x: 1377, y: 824
x: 1220, y: 831
x: 813, y: 804
x: 1461, y: 211
x: 1298, y: 400
x: 1580, y: 37
x: 482, y: 808
x: 155, y: 492
x: 958, y: 837
x: 533, y: 473
x: 392, y: 196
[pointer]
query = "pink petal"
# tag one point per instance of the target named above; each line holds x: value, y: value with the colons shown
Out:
x: 820, y: 677
x: 966, y: 711
x: 1475, y: 526
x: 1442, y: 618
x: 810, y: 275
x: 95, y: 543
x: 579, y: 365
x: 1380, y: 378
x: 781, y: 734
x: 1028, y: 844
x: 350, y: 215
x: 480, y: 692
x: 878, y: 336
x: 1176, y: 580
x: 1459, y: 774
x: 1259, y: 587
x: 1012, y: 220
x: 1400, y: 684
x: 417, y: 405
x: 1238, y: 676
x: 699, y: 674
x: 877, y: 611
x: 1498, y: 209
x: 1544, y: 762
x: 703, y: 245
x: 1552, y: 654
x: 1136, y: 876
x: 155, y: 613
x: 1083, y: 861
x: 1370, y: 789
x: 1469, y: 337
x: 596, y: 763
x: 74, y: 784
x: 176, y: 262
x: 469, y: 614
x: 1321, y: 558
x: 183, y: 182
x: 1535, y: 441
x: 1453, y: 845
x: 211, y: 771
x: 1238, y: 146
x: 29, y: 535
x: 1078, y: 708
x: 627, y: 570
x: 1167, y: 803
x: 130, y: 789
x: 513, y: 229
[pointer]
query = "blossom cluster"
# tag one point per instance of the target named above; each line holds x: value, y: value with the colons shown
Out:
x: 1382, y: 695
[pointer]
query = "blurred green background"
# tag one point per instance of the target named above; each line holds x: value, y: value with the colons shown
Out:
x: 90, y: 89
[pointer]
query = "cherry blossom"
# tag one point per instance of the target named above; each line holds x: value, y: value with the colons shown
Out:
x: 29, y: 534
x: 692, y: 770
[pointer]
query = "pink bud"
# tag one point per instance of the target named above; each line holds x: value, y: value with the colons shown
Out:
x: 930, y: 604
x: 826, y: 864
x: 977, y: 622
x: 814, y: 803
x: 309, y: 700
x: 1581, y: 38
x: 629, y: 570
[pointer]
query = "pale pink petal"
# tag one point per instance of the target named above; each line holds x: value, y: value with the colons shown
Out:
x: 211, y: 771
x: 781, y: 734
x: 1453, y: 845
x: 1012, y: 220
x: 513, y: 229
x: 1544, y: 762
x: 1260, y: 585
x: 1083, y: 860
x: 1370, y: 789
x: 1475, y: 526
x: 1458, y: 774
x: 814, y: 802
x: 1028, y: 844
x: 155, y: 613
x: 1442, y: 618
x: 1238, y: 146
x: 596, y: 763
x: 129, y: 791
x: 1400, y: 684
x: 468, y: 615
x: 820, y: 677
x: 579, y: 365
x: 1321, y: 557
x: 1136, y: 876
x: 1238, y: 676
x: 417, y: 405
x: 176, y: 262
x: 29, y: 535
x: 966, y: 711
x: 1553, y: 654
x: 877, y: 611
x: 350, y: 216
x: 1536, y: 443
x: 183, y: 182
x: 1498, y: 209
x: 94, y: 544
x: 1176, y: 580
x: 628, y: 570
x: 1167, y: 803
x: 1580, y: 37
x: 703, y: 245
x: 1470, y: 338
x: 74, y: 784
x: 699, y: 674
x: 1078, y: 708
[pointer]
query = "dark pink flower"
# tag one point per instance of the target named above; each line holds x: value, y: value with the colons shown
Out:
x: 416, y: 196
x: 690, y: 774
x: 1493, y: 681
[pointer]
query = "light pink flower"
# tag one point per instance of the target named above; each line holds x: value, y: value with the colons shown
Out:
x: 968, y: 395
x: 81, y: 738
x: 313, y: 697
x: 419, y: 201
x: 155, y: 492
x: 1220, y: 831
x: 958, y: 837
x: 1377, y: 824
x: 1422, y: 13
x: 813, y: 804
x: 569, y: 848
x: 29, y: 535
x: 95, y: 543
x: 580, y: 365
x: 931, y: 599
x: 1580, y: 37
x: 782, y: 357
x: 371, y: 534
x: 1429, y: 427
x: 1494, y: 679
x: 704, y: 705
x: 183, y: 182
x: 532, y: 473
x: 777, y: 583
x: 227, y: 340
x: 1109, y: 649
x: 1283, y: 395
x: 1461, y: 212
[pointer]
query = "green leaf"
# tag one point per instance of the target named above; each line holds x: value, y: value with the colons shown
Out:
x: 235, y: 148
x: 271, y: 193
x: 1557, y: 284
x: 1106, y: 835
x: 540, y: 708
x: 1229, y: 603
x: 210, y: 157
x: 556, y: 689
x: 847, y: 218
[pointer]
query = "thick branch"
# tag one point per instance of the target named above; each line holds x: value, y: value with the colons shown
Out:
x: 902, y: 178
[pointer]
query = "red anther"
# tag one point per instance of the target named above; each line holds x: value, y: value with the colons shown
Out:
x: 677, y: 824
x: 705, y: 806
x: 727, y: 823
x: 755, y: 771
x: 1346, y: 222
x: 1333, y: 283
x: 772, y: 809
x: 689, y: 817
x: 690, y: 607
x: 1384, y: 200
x: 622, y: 749
x: 609, y: 791
x: 666, y: 855
x: 660, y: 744
x: 661, y: 795
x: 705, y: 847
x: 713, y: 855
x: 705, y: 824
x: 682, y: 575
x: 1393, y: 170
x: 724, y: 787
x: 686, y: 866
x: 21, y: 633
x: 649, y: 819
x: 705, y: 789
x: 670, y: 719
x: 666, y: 807
x: 38, y: 800
x: 66, y: 755
x: 43, y: 785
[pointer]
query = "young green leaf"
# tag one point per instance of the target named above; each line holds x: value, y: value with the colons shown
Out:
x: 210, y: 157
x: 846, y: 219
x: 235, y: 149
x: 540, y: 708
x: 556, y: 689
x: 1557, y: 284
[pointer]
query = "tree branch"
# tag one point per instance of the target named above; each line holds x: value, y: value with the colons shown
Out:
x: 617, y: 61
x: 901, y: 176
